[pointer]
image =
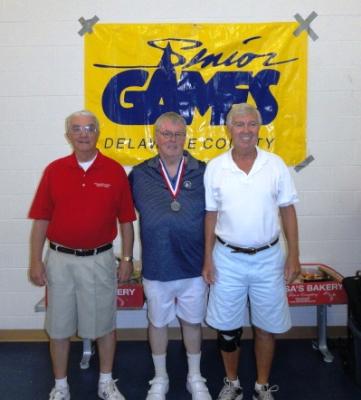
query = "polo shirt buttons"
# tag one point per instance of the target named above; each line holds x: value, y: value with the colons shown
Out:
x: 83, y: 184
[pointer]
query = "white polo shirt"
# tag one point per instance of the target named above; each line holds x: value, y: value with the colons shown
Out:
x: 247, y: 205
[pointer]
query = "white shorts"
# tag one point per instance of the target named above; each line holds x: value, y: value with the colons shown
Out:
x: 257, y: 278
x: 183, y: 298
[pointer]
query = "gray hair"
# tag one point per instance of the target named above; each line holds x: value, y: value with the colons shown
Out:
x: 242, y: 109
x: 81, y: 113
x: 171, y: 116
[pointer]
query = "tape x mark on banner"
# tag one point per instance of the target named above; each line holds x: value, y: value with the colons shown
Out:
x: 87, y: 24
x: 304, y: 163
x: 305, y: 25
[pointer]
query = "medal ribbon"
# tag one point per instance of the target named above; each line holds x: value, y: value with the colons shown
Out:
x: 180, y: 172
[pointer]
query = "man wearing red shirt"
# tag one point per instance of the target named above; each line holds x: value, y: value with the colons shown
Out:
x: 77, y: 206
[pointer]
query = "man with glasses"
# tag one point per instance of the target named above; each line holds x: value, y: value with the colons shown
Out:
x: 77, y: 207
x: 246, y: 190
x: 168, y: 193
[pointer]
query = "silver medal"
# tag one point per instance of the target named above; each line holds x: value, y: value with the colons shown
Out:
x: 175, y: 205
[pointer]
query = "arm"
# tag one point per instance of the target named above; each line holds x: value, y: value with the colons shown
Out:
x: 37, y: 273
x: 210, y: 238
x: 290, y: 228
x: 126, y: 267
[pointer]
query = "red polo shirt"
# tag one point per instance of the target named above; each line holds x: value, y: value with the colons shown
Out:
x: 83, y: 207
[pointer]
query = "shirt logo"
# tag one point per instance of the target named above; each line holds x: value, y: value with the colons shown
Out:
x: 187, y: 184
x: 102, y: 185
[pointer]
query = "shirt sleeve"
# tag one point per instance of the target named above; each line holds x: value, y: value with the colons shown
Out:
x: 287, y: 193
x: 126, y: 208
x: 211, y: 202
x: 42, y: 205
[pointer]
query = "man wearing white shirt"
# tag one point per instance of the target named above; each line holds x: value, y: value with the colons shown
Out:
x: 246, y: 191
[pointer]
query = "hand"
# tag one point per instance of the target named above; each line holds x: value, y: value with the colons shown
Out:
x: 292, y: 269
x: 208, y: 272
x: 125, y: 270
x: 37, y: 273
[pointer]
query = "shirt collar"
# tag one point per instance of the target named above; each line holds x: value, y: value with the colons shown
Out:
x: 99, y: 159
x: 260, y: 160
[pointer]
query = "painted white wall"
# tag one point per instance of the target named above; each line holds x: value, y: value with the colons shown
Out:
x: 41, y: 81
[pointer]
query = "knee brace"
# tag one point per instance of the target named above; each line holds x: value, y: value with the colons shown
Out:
x: 229, y: 341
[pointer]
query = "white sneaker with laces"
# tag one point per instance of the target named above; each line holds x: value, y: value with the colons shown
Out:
x: 158, y: 389
x: 197, y: 388
x: 59, y: 394
x: 230, y: 392
x: 265, y: 393
x: 109, y: 391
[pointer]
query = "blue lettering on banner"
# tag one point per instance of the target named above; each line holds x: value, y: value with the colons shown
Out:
x: 166, y: 92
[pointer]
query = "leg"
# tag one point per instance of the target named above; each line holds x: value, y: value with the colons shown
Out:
x: 191, y: 308
x: 158, y: 340
x: 192, y: 337
x: 106, y: 347
x: 264, y: 350
x: 59, y: 352
x: 60, y: 320
x: 106, y: 386
x: 232, y: 388
x: 231, y: 362
x: 269, y: 313
x: 229, y: 344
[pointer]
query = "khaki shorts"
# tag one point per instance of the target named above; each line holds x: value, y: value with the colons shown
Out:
x: 183, y: 298
x: 81, y: 294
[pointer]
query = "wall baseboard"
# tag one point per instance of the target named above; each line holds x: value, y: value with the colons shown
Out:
x: 297, y: 332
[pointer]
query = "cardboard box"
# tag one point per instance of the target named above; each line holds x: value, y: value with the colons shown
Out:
x: 317, y: 284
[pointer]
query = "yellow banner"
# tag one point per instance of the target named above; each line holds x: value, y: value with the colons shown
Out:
x: 136, y: 72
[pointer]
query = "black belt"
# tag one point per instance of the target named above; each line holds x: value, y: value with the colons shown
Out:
x: 80, y: 252
x: 247, y: 250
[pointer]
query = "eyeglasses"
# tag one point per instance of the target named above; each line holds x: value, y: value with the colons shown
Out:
x: 88, y: 129
x: 252, y: 124
x: 171, y: 135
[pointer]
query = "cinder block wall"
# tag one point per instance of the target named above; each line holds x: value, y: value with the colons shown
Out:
x: 41, y: 81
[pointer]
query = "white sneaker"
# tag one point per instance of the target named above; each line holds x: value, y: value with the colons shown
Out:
x: 197, y: 388
x: 60, y: 394
x: 109, y: 391
x: 230, y: 392
x: 265, y: 393
x: 158, y: 389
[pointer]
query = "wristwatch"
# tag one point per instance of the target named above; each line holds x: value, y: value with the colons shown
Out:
x: 127, y: 258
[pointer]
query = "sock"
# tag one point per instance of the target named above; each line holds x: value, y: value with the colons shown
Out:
x: 258, y: 387
x: 194, y: 364
x: 235, y: 383
x: 160, y: 367
x: 103, y: 378
x: 61, y: 383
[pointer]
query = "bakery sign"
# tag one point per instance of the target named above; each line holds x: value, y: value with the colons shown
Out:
x: 317, y: 284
